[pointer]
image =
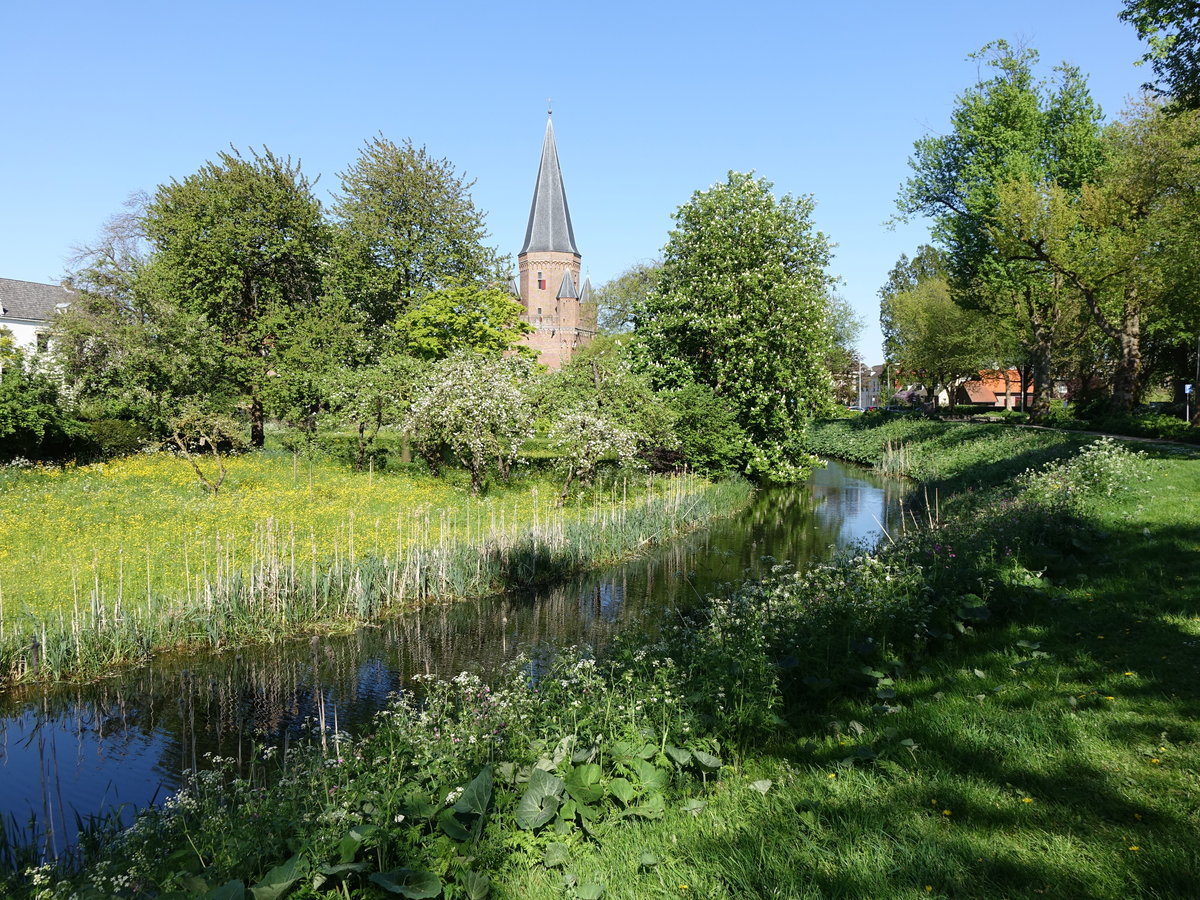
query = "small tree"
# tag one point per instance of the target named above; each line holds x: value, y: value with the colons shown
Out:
x: 370, y: 397
x: 473, y: 408
x: 583, y: 439
x: 197, y: 433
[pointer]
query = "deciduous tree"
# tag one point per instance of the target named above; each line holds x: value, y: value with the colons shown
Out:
x: 405, y: 225
x: 472, y: 407
x: 463, y: 319
x: 1009, y: 125
x: 741, y: 307
x: 239, y: 244
x: 1172, y: 29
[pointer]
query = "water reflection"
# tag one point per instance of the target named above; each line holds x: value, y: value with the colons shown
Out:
x: 120, y: 744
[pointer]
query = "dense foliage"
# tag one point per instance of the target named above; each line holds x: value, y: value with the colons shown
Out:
x: 741, y: 308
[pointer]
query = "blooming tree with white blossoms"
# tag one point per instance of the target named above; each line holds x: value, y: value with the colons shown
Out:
x: 475, y: 409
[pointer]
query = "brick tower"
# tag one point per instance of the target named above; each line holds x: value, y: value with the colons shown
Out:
x: 548, y: 268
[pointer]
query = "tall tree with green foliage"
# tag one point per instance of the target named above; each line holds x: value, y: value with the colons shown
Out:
x: 1172, y: 29
x: 936, y: 341
x: 463, y: 318
x: 1008, y: 125
x: 928, y: 263
x: 741, y: 307
x: 405, y: 224
x: 127, y: 350
x: 620, y: 300
x: 239, y: 244
x: 1126, y: 242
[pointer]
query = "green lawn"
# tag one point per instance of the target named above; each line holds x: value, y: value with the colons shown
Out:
x: 1056, y: 755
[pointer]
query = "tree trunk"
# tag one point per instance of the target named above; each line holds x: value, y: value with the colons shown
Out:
x: 1129, y: 361
x: 1041, y: 354
x: 257, y: 421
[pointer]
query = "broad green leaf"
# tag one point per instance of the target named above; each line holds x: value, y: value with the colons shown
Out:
x: 353, y: 840
x: 556, y: 855
x: 477, y: 795
x: 647, y: 861
x: 694, y: 806
x: 276, y: 882
x: 678, y: 756
x: 539, y: 803
x: 475, y: 884
x: 583, y: 783
x: 589, y: 891
x: 707, y: 761
x: 230, y: 890
x: 622, y: 790
x: 762, y: 786
x: 409, y: 883
x: 652, y: 807
x: 452, y: 827
x: 651, y: 777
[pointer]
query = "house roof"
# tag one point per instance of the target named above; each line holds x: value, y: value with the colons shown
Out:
x: 31, y: 300
x: 978, y: 392
x: 566, y: 291
x: 549, y: 227
x: 993, y: 380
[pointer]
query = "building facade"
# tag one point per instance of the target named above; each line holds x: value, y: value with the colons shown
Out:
x: 548, y: 269
x: 27, y: 309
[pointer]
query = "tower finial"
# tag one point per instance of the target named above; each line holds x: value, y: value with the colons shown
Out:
x: 549, y: 107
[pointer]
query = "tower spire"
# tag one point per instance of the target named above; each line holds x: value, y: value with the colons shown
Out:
x: 549, y: 227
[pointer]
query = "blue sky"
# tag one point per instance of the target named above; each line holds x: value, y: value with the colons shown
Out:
x: 652, y: 101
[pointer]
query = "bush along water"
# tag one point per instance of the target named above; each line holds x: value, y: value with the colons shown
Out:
x: 447, y: 790
x: 460, y: 784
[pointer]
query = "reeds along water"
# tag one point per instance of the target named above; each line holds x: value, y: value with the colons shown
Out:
x: 222, y: 590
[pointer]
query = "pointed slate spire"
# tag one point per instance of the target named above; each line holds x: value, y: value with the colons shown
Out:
x: 514, y: 286
x: 585, y: 296
x: 549, y: 227
x: 566, y: 290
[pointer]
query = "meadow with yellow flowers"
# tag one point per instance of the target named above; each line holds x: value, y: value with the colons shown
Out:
x: 104, y: 563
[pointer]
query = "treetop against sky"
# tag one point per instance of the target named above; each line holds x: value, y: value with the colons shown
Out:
x: 651, y: 103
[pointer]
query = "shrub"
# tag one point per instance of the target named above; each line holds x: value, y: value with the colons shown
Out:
x: 119, y: 437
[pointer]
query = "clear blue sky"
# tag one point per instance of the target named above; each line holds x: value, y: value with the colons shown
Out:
x: 652, y: 101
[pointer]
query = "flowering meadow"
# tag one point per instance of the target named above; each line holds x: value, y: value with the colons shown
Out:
x: 103, y: 563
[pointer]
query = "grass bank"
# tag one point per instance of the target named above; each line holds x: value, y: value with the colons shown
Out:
x: 1003, y: 704
x: 104, y: 564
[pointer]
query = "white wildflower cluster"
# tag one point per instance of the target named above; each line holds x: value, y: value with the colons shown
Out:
x: 1104, y: 468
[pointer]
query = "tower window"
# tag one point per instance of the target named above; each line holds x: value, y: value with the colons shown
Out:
x: 541, y: 282
x: 539, y: 310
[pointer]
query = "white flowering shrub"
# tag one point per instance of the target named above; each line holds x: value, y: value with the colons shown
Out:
x: 585, y: 438
x: 474, y: 408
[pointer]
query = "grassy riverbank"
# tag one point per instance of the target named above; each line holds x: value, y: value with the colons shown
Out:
x: 103, y: 564
x: 1003, y: 704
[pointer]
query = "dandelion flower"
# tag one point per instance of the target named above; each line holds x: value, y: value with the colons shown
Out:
x: 946, y: 812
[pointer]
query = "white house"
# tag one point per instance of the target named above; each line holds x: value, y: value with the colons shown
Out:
x: 27, y: 308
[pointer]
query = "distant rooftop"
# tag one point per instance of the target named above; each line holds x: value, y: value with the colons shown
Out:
x: 31, y: 300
